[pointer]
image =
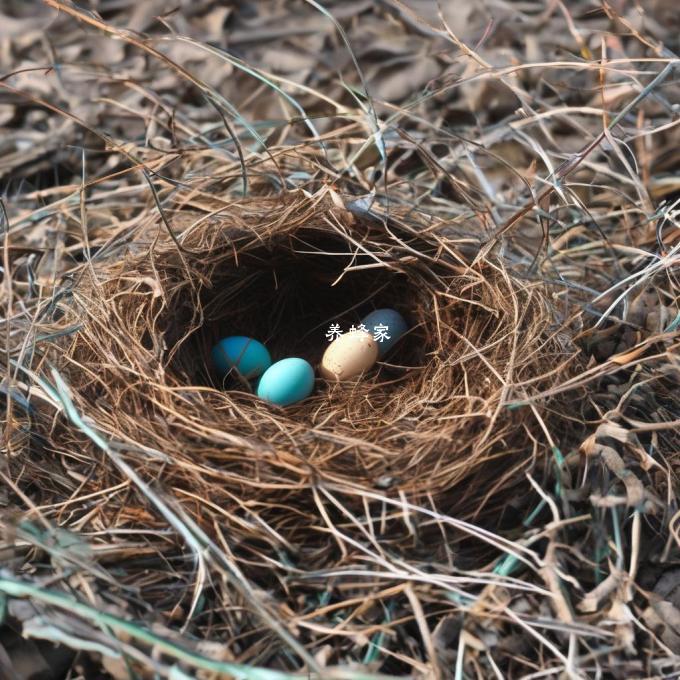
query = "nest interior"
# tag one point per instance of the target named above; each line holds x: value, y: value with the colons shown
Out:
x: 287, y: 292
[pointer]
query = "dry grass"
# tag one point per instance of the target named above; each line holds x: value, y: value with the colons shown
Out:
x: 498, y: 499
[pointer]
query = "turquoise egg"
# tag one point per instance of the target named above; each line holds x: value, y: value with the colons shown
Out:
x: 248, y: 356
x: 286, y: 381
x: 396, y: 327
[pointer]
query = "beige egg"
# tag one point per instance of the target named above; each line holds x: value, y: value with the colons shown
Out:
x: 349, y: 355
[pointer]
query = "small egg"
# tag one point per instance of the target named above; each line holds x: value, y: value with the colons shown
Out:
x: 349, y: 355
x: 286, y: 382
x: 391, y: 326
x: 248, y: 356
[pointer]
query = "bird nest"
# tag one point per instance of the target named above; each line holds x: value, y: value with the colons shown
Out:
x: 437, y: 424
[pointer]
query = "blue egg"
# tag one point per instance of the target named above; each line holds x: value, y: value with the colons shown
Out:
x: 286, y: 381
x: 248, y: 356
x: 396, y: 327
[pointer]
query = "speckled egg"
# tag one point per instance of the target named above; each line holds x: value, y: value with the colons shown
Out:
x: 348, y: 356
x: 286, y: 382
x: 246, y: 355
x: 387, y: 337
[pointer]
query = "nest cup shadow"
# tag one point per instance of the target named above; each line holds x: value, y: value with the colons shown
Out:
x: 429, y: 421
